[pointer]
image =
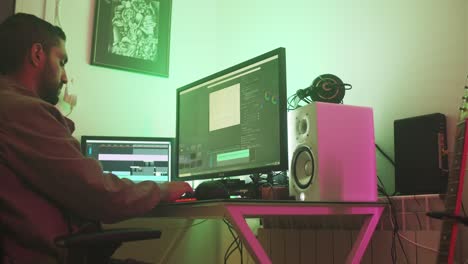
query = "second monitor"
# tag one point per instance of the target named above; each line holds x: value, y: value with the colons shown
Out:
x: 135, y: 158
x: 234, y: 122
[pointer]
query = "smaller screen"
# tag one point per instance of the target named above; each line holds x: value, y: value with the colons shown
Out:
x: 137, y: 159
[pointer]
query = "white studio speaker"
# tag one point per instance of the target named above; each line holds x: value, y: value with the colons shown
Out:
x: 332, y: 153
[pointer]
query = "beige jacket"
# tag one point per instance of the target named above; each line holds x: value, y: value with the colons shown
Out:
x: 43, y: 174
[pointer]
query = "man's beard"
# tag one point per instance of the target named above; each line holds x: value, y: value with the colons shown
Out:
x: 50, y: 97
x: 49, y: 90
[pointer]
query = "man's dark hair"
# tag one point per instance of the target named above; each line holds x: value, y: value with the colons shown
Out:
x: 17, y: 35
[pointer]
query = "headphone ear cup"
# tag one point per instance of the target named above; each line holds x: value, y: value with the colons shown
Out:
x: 327, y: 88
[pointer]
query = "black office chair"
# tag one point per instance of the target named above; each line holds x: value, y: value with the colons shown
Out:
x: 97, y: 247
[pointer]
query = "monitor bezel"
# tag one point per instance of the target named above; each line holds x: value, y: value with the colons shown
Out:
x: 283, y: 166
x: 171, y: 140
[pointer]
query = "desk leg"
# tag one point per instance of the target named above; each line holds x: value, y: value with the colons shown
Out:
x: 364, y: 236
x: 251, y: 242
x: 236, y: 215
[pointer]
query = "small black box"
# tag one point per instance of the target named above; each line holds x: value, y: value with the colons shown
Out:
x: 421, y: 162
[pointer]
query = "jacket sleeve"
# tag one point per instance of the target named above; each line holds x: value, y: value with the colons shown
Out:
x: 39, y: 148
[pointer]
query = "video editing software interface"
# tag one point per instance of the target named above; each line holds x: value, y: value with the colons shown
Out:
x: 137, y: 159
x: 234, y: 122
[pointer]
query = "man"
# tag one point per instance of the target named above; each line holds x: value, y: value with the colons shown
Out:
x: 44, y: 178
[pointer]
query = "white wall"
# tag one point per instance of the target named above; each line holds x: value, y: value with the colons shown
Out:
x: 403, y: 58
x: 113, y: 102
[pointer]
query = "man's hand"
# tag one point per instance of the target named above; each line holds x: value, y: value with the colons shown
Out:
x: 171, y: 191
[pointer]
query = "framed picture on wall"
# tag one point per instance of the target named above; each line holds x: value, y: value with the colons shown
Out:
x: 132, y: 35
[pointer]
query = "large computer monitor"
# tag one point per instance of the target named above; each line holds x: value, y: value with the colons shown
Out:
x: 135, y: 158
x: 233, y: 122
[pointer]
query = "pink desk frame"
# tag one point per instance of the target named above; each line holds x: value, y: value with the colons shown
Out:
x: 236, y: 212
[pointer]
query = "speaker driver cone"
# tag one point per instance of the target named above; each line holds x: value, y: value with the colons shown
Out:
x: 302, y: 167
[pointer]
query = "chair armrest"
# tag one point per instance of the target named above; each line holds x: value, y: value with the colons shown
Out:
x: 106, y: 237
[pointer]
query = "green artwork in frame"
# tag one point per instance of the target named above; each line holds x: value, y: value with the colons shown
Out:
x: 132, y: 35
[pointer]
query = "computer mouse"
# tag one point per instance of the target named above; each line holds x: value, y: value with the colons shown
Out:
x: 208, y: 190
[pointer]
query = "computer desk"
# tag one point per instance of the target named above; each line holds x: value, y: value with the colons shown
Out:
x: 236, y: 210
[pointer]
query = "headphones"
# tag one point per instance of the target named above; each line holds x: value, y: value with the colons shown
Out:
x: 325, y: 88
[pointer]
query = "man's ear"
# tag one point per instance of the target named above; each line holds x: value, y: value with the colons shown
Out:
x: 36, y: 54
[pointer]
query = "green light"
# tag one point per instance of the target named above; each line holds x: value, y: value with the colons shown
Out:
x: 233, y: 155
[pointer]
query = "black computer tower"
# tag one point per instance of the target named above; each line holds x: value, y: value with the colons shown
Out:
x: 421, y: 162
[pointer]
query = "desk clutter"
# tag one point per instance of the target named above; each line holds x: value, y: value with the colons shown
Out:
x: 238, y: 189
